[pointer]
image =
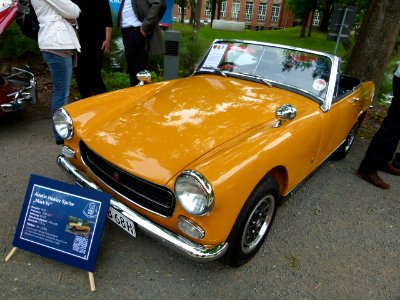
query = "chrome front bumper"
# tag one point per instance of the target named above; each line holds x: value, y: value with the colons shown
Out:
x: 176, y: 242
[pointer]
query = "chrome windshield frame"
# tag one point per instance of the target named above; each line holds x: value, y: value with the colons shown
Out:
x: 325, y: 102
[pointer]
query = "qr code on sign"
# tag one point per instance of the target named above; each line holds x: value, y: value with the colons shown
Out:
x: 80, y: 244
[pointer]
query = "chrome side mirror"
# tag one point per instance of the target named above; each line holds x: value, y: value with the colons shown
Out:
x: 285, y: 112
x: 144, y: 77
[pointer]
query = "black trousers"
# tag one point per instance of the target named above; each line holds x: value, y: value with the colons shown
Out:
x: 135, y: 52
x: 384, y: 143
x: 88, y: 71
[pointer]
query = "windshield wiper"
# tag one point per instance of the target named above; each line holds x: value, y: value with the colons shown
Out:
x: 262, y: 79
x: 213, y: 69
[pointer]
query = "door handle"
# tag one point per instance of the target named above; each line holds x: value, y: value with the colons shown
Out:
x: 354, y: 100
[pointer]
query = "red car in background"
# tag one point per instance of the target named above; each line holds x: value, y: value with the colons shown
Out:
x: 8, y: 11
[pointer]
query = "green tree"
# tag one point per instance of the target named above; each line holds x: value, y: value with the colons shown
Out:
x: 15, y: 45
x: 182, y: 4
x: 301, y: 9
x: 326, y: 7
x: 375, y: 41
x: 215, y: 9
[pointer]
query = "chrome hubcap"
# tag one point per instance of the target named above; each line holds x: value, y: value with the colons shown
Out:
x: 258, y: 223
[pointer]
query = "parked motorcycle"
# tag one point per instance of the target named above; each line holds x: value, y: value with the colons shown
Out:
x: 17, y: 89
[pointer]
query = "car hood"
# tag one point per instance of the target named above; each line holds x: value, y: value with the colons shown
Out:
x: 157, y: 130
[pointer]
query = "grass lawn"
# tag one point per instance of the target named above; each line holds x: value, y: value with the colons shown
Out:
x: 289, y: 36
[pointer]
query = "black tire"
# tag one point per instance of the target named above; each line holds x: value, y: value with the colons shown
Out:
x: 253, y: 223
x: 344, y: 149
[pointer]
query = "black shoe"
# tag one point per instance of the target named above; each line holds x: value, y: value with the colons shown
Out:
x: 389, y: 168
x: 373, y: 178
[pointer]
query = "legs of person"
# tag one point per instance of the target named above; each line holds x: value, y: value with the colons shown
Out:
x: 394, y: 111
x: 383, y: 145
x: 82, y: 74
x: 372, y: 159
x: 135, y: 53
x: 98, y: 84
x: 60, y: 71
x: 88, y: 71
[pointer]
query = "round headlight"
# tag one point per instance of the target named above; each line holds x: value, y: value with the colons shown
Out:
x: 194, y: 193
x: 63, y: 123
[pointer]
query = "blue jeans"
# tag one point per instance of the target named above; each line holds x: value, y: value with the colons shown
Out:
x: 61, y: 72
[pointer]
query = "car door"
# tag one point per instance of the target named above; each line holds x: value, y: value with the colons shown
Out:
x: 338, y: 122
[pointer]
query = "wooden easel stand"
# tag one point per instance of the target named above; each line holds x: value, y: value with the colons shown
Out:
x: 91, y: 277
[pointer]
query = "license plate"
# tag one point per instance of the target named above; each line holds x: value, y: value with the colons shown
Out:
x: 121, y: 221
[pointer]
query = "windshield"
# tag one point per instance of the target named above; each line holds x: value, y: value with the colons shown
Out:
x: 298, y: 69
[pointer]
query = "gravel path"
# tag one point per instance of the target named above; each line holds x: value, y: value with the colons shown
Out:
x: 336, y: 238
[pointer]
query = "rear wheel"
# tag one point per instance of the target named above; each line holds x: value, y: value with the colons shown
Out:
x: 253, y: 224
x: 344, y: 149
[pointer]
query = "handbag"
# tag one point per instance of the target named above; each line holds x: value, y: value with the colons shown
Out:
x: 27, y: 20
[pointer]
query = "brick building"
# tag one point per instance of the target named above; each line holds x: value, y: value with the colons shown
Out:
x: 257, y: 14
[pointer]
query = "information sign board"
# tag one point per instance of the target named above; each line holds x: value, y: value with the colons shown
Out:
x: 62, y: 221
x: 342, y: 22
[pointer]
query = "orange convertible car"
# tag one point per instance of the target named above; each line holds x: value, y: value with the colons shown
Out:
x: 202, y: 163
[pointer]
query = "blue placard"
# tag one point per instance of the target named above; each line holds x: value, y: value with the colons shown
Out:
x: 62, y: 221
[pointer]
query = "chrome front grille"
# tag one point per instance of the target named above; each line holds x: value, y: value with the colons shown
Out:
x: 148, y: 195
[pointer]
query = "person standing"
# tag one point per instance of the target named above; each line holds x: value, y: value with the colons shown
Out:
x: 382, y: 148
x: 94, y: 32
x: 58, y: 43
x: 141, y: 33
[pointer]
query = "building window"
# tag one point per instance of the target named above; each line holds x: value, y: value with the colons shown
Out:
x: 317, y: 18
x: 235, y: 10
x: 275, y: 13
x: 180, y: 10
x: 223, y: 11
x: 248, y: 13
x: 207, y: 11
x: 262, y: 8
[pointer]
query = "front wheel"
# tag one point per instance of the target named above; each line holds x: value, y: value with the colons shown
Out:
x: 253, y: 224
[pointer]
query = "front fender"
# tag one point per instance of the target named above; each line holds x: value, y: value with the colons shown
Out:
x: 237, y: 167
